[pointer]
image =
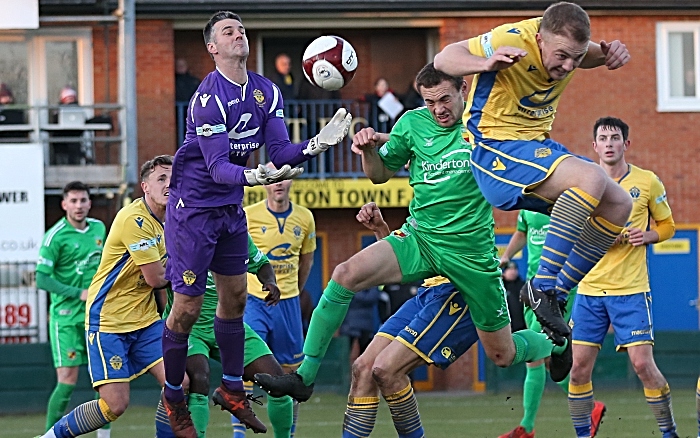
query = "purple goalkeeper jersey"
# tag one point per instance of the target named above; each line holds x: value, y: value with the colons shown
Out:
x: 226, y: 122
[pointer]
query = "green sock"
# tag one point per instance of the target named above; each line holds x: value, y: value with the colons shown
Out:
x: 57, y: 403
x: 199, y: 411
x: 530, y: 346
x: 532, y: 395
x: 564, y: 384
x: 281, y: 413
x: 327, y: 317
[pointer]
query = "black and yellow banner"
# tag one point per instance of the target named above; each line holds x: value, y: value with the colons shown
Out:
x: 340, y: 193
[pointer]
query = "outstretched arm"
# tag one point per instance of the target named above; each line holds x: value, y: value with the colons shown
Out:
x: 613, y: 55
x: 365, y: 143
x: 456, y: 59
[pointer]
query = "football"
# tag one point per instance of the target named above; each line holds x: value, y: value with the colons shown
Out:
x: 329, y: 62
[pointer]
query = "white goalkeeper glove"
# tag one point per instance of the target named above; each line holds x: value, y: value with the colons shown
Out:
x: 264, y: 175
x: 331, y: 134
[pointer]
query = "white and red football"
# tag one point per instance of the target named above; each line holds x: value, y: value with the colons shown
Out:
x: 329, y: 62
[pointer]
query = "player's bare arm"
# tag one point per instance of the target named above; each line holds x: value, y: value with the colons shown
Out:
x: 266, y: 276
x: 365, y: 143
x: 371, y: 217
x: 457, y: 60
x: 154, y: 274
x: 613, y: 55
x: 516, y: 243
x: 306, y: 261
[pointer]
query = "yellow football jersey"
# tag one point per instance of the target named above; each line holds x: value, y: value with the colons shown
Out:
x: 282, y: 237
x: 519, y: 102
x: 623, y: 269
x: 435, y: 281
x: 119, y: 299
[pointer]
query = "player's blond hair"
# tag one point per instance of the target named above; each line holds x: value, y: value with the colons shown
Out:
x: 567, y: 19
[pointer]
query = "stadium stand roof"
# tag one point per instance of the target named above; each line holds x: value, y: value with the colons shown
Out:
x: 174, y: 7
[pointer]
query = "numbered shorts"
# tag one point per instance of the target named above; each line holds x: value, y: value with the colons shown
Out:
x: 204, y: 342
x: 199, y: 239
x: 630, y: 316
x: 279, y: 327
x: 67, y: 343
x: 531, y: 320
x: 435, y: 324
x: 476, y: 276
x: 507, y: 170
x: 122, y: 357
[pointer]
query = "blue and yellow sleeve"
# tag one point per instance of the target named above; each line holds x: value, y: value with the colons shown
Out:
x: 140, y: 241
x: 309, y: 243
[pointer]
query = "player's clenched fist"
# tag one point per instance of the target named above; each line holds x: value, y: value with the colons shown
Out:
x: 616, y: 54
x: 367, y: 138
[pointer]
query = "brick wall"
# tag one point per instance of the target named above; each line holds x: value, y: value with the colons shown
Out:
x: 662, y: 142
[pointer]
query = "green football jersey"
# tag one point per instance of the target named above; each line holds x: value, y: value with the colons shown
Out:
x: 535, y: 226
x: 71, y: 257
x: 256, y: 260
x: 446, y: 199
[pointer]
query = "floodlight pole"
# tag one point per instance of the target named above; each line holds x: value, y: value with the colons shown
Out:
x: 128, y: 120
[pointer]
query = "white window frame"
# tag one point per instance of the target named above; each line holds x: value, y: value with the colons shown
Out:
x: 666, y: 103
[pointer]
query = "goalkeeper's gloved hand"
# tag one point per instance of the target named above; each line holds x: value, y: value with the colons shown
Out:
x: 331, y: 134
x: 264, y: 175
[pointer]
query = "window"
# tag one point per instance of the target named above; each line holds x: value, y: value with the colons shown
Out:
x: 678, y: 66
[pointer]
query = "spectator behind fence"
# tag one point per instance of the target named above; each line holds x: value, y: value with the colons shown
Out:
x: 513, y: 283
x: 9, y: 116
x: 385, y: 107
x: 67, y: 152
x: 282, y: 76
x: 185, y: 83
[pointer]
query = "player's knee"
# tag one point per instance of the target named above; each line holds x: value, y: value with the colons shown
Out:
x: 644, y: 367
x: 383, y: 372
x: 362, y: 369
x: 199, y: 382
x: 345, y: 275
x: 501, y: 356
x: 118, y: 406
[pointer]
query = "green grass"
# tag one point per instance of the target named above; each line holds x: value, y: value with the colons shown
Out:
x: 443, y: 414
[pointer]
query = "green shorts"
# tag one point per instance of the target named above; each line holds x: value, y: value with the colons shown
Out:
x: 476, y: 276
x: 67, y: 343
x: 201, y: 342
x: 531, y: 320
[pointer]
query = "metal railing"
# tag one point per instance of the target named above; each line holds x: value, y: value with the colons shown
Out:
x: 304, y: 119
x: 23, y: 308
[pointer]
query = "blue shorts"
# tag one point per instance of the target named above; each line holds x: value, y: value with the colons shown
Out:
x: 201, y: 239
x: 630, y: 316
x: 122, y: 357
x: 507, y: 171
x: 279, y: 326
x: 435, y: 324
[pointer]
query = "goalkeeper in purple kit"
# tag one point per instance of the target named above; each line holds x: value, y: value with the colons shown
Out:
x: 233, y: 112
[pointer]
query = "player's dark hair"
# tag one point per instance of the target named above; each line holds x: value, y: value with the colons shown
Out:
x: 219, y: 16
x: 429, y: 77
x: 611, y: 123
x: 149, y: 166
x: 567, y: 19
x: 75, y: 186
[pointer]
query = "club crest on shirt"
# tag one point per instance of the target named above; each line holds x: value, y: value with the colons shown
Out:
x: 116, y: 362
x: 542, y: 152
x: 189, y: 277
x: 635, y: 192
x: 259, y: 97
x: 297, y: 231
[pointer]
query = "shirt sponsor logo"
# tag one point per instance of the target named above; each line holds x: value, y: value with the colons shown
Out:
x: 280, y: 113
x: 537, y: 236
x: 143, y: 245
x: 207, y: 130
x: 446, y: 167
x: 235, y: 101
x: 280, y: 252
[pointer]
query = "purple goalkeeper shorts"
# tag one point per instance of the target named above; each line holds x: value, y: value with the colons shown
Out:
x: 201, y: 239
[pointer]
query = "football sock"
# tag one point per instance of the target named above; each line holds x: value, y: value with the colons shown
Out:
x: 570, y: 212
x: 238, y: 427
x: 697, y: 403
x: 659, y: 400
x: 597, y: 237
x: 295, y: 416
x: 163, y: 429
x: 281, y: 413
x: 104, y: 431
x: 360, y: 415
x: 85, y: 418
x: 532, y: 395
x: 326, y: 319
x: 198, y: 404
x: 530, y: 346
x: 564, y: 384
x: 57, y: 403
x: 230, y: 336
x: 404, y: 413
x: 174, y: 360
x: 581, y: 407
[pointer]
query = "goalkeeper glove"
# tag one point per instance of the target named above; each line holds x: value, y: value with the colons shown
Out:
x: 264, y: 175
x: 331, y: 134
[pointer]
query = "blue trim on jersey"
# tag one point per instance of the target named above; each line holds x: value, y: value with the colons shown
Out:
x: 481, y: 95
x: 96, y: 307
x: 284, y: 215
